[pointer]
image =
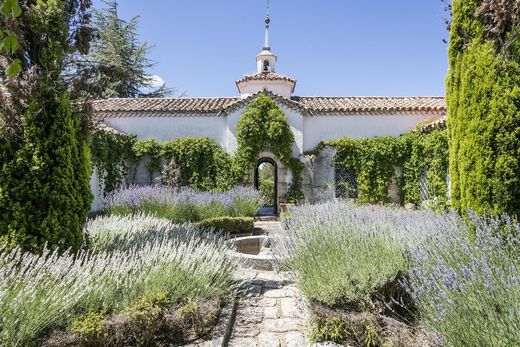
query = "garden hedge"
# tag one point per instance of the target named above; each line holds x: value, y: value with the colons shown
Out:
x: 483, y: 96
x: 229, y: 225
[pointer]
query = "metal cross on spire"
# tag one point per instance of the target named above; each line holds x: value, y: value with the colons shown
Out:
x: 267, y: 22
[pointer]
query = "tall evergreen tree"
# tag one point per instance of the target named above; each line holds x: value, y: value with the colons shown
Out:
x: 44, y: 167
x: 119, y: 60
x: 483, y: 95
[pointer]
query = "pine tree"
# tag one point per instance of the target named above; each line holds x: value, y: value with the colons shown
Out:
x: 483, y: 95
x: 120, y: 61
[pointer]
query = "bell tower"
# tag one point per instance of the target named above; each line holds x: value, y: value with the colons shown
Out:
x: 266, y: 60
x: 266, y: 78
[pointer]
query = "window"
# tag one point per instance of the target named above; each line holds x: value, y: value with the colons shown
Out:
x: 345, y: 183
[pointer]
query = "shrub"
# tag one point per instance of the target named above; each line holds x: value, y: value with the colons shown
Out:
x: 44, y: 180
x: 90, y: 328
x: 185, y: 205
x: 42, y: 291
x: 467, y: 285
x: 342, y: 253
x: 483, y: 97
x: 228, y: 225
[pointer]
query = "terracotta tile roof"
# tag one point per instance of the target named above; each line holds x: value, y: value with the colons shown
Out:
x: 371, y: 104
x: 265, y: 76
x: 163, y: 105
x: 308, y: 105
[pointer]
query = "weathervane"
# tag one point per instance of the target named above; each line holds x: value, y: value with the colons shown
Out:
x: 267, y: 22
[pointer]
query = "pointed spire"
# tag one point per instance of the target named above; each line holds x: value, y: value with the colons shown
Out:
x: 267, y: 22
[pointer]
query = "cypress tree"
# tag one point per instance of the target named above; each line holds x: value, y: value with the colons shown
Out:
x: 45, y: 190
x: 483, y: 96
x: 44, y: 159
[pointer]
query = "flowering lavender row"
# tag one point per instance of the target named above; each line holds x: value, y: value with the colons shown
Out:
x: 342, y: 252
x: 42, y: 291
x: 137, y: 195
x: 463, y: 273
x: 466, y: 279
x: 239, y: 200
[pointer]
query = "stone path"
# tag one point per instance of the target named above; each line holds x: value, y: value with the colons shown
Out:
x: 271, y: 312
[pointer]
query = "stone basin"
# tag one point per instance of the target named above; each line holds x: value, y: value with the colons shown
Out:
x: 254, y: 251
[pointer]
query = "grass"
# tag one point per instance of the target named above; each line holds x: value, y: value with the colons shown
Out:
x: 133, y: 257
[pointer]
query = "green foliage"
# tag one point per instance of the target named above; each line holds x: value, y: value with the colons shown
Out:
x: 264, y: 126
x: 119, y: 61
x: 483, y: 95
x: 110, y: 154
x: 9, y: 11
x: 266, y: 188
x: 427, y: 155
x: 203, y: 164
x: 229, y: 225
x: 374, y: 160
x: 90, y: 328
x: 340, y: 330
x: 44, y: 184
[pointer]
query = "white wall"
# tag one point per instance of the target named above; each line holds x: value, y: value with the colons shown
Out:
x: 333, y: 127
x: 173, y: 127
x: 295, y: 122
x: 279, y: 87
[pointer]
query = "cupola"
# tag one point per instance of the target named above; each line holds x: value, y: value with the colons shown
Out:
x: 266, y: 77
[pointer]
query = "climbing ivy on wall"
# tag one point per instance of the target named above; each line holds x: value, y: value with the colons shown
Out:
x: 203, y: 164
x: 110, y: 155
x: 263, y: 125
x: 374, y: 160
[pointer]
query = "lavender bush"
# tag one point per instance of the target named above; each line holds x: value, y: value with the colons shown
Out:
x: 184, y: 205
x: 466, y: 280
x: 119, y: 233
x: 38, y: 292
x: 463, y: 274
x: 341, y: 252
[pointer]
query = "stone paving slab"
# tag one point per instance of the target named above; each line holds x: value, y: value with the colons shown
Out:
x: 273, y: 316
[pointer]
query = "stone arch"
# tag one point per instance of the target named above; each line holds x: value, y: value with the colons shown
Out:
x: 283, y: 175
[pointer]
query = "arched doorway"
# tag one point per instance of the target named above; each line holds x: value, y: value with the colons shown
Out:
x: 266, y: 181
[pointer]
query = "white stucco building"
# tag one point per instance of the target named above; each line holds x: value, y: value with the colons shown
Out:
x: 312, y: 119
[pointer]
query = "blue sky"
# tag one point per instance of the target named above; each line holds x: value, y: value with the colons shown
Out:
x: 332, y: 47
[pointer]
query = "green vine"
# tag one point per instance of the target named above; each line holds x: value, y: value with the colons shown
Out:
x: 110, y: 155
x: 264, y: 126
x: 374, y: 161
x: 203, y: 163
